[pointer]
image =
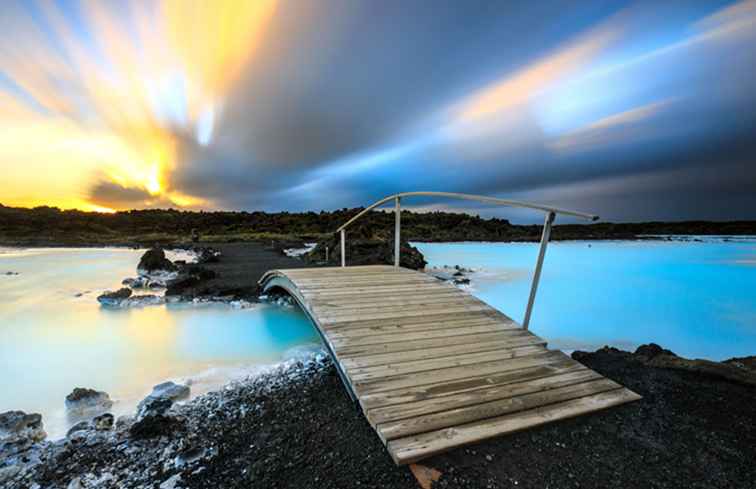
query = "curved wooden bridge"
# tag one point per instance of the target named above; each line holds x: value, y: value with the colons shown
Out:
x: 431, y: 366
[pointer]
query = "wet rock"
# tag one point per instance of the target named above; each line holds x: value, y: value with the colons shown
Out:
x: 171, y: 482
x: 82, y: 401
x: 168, y: 390
x: 135, y: 282
x: 153, y: 420
x: 103, y: 422
x: 154, y: 260
x: 142, y: 300
x: 456, y: 277
x: 79, y: 427
x: 18, y: 425
x: 153, y: 406
x: 114, y: 298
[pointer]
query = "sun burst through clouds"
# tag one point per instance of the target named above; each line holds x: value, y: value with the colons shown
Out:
x: 98, y: 98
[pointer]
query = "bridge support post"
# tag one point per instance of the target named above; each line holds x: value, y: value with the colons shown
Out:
x: 343, y: 249
x: 397, y: 227
x: 539, y: 264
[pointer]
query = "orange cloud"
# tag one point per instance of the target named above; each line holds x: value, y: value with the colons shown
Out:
x: 620, y: 127
x: 118, y: 106
x: 518, y: 88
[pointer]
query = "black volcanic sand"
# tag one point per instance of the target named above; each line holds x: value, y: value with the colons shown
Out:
x: 298, y: 429
x: 687, y: 432
x: 239, y: 268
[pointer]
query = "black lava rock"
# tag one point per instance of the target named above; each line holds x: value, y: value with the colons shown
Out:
x: 154, y: 259
x: 114, y: 298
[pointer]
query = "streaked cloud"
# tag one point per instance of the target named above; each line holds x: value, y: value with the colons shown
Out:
x: 629, y: 126
x: 332, y: 103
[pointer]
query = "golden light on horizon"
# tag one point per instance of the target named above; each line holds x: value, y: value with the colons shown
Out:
x: 114, y: 108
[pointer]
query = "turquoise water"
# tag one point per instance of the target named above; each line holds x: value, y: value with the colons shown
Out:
x: 695, y: 298
x: 54, y: 335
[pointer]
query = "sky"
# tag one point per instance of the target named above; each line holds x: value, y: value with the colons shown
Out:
x: 630, y: 110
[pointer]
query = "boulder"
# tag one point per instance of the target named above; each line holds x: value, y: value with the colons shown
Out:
x: 114, y: 298
x: 153, y: 406
x: 367, y: 251
x: 647, y: 352
x: 103, y: 422
x: 152, y: 420
x: 79, y: 427
x: 156, y: 401
x: 83, y: 401
x: 154, y: 260
x: 136, y: 282
x: 170, y: 390
x: 18, y: 425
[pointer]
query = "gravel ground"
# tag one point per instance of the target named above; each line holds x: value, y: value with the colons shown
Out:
x: 296, y: 428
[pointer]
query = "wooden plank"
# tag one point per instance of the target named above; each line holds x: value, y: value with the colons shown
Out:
x: 457, y: 373
x: 423, y: 307
x: 433, y: 367
x: 355, y: 331
x: 326, y: 271
x: 333, y: 319
x: 439, y: 390
x: 397, y: 299
x: 471, y: 397
x: 448, y: 350
x: 407, y: 367
x: 419, y: 335
x: 413, y: 448
x: 376, y: 289
x: 502, y: 336
x: 367, y: 279
x: 428, y: 318
x: 411, y: 297
x: 455, y: 417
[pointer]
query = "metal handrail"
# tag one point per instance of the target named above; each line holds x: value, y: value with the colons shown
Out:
x: 551, y: 213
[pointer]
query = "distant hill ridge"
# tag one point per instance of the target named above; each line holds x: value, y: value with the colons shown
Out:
x: 52, y: 226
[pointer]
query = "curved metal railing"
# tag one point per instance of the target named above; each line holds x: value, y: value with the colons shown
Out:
x: 551, y: 213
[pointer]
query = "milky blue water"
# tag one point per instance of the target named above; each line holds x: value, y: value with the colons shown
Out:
x: 695, y: 298
x: 54, y: 335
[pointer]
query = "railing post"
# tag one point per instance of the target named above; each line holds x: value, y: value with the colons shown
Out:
x: 539, y: 264
x: 397, y: 226
x: 343, y: 249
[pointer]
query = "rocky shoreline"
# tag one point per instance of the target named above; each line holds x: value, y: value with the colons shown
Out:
x: 294, y: 427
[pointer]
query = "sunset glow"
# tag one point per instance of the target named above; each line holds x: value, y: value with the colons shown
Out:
x: 269, y: 105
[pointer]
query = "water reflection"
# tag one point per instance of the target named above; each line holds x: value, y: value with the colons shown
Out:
x: 52, y: 339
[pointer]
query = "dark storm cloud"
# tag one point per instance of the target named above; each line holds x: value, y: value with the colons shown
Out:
x: 113, y: 195
x: 607, y: 97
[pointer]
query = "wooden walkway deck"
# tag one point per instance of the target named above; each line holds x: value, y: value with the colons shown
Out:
x: 434, y: 368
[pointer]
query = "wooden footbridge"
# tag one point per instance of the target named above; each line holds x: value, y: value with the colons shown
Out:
x: 431, y: 366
